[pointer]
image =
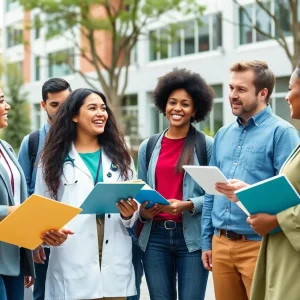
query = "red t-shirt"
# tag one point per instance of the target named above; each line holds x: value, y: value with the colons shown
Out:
x: 168, y: 182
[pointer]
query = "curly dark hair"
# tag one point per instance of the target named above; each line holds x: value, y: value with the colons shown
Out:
x: 63, y: 132
x: 202, y: 94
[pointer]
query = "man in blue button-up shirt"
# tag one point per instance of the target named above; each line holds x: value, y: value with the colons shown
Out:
x: 251, y: 149
x: 54, y: 93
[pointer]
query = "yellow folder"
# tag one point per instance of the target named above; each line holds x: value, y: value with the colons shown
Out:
x: 36, y: 215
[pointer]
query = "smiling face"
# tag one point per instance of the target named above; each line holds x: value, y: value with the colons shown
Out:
x: 293, y: 96
x: 92, y: 116
x: 180, y: 108
x: 53, y: 102
x: 244, y: 100
x: 4, y: 108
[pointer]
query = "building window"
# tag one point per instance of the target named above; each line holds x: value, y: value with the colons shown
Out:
x: 263, y: 22
x: 14, y: 35
x: 282, y: 12
x: 278, y: 102
x: 186, y: 38
x: 130, y: 120
x: 215, y: 119
x: 189, y: 37
x: 60, y: 63
x: 254, y: 15
x: 203, y: 34
x: 37, y: 115
x: 11, y: 4
x: 36, y: 27
x: 216, y: 31
x: 153, y: 45
x: 133, y: 55
x: 245, y: 16
x: 163, y: 43
x: 175, y: 42
x: 37, y: 65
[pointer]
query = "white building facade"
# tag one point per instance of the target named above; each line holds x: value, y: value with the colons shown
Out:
x: 209, y: 49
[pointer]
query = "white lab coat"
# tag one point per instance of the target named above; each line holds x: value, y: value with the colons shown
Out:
x: 74, y: 270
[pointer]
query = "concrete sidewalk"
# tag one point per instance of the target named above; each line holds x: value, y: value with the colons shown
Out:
x: 210, y: 294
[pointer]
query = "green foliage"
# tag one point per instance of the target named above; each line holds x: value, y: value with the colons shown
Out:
x: 124, y: 21
x: 18, y: 116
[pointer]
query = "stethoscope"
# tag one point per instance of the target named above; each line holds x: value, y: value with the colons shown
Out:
x: 71, y: 161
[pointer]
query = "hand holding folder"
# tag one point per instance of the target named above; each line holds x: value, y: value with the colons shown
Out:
x: 206, y: 177
x: 269, y: 196
x: 105, y: 195
x: 151, y: 196
x: 25, y: 225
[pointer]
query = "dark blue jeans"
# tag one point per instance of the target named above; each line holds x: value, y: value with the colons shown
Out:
x: 40, y: 278
x: 12, y: 287
x: 167, y: 258
x: 138, y: 269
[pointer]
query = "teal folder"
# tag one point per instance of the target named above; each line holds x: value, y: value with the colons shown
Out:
x: 269, y: 196
x: 152, y: 196
x: 104, y: 196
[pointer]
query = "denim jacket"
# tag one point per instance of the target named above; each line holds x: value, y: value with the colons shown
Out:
x: 191, y: 191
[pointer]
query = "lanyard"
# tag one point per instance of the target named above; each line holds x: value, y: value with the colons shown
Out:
x: 98, y: 169
x: 12, y: 181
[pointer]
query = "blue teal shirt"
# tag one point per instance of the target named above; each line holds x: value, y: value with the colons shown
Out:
x: 91, y: 160
x: 251, y: 153
x: 24, y: 160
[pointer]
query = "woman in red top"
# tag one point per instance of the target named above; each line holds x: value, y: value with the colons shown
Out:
x: 171, y: 235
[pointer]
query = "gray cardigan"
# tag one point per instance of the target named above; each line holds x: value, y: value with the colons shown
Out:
x: 10, y: 254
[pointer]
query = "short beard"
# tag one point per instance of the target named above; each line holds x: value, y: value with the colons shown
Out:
x: 49, y: 117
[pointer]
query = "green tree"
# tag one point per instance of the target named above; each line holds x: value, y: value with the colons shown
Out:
x: 112, y: 26
x: 18, y: 116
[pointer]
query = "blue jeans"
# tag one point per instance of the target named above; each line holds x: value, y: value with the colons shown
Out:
x: 165, y: 257
x: 12, y: 287
x: 40, y: 278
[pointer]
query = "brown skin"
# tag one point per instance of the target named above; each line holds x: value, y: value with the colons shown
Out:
x: 293, y: 96
x: 53, y: 103
x: 4, y: 108
x: 179, y: 111
x: 90, y: 123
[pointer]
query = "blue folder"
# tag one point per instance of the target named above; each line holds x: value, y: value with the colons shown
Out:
x: 269, y: 196
x: 104, y: 196
x: 152, y: 196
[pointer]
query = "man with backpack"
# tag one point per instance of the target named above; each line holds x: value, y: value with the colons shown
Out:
x: 54, y: 92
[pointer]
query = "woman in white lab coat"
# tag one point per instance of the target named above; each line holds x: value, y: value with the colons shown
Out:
x: 84, y: 147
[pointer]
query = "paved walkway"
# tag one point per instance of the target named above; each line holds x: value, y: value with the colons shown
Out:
x: 145, y: 296
x: 210, y: 295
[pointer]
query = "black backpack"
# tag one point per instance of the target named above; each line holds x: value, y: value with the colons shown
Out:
x: 200, y: 146
x: 33, y: 146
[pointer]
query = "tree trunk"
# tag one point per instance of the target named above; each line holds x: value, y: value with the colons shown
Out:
x: 115, y: 104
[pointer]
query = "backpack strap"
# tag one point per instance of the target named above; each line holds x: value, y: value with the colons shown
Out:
x: 150, y: 147
x: 33, y: 145
x: 201, y: 150
x: 200, y: 146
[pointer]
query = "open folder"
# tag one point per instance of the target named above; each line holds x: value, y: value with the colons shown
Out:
x: 269, y: 196
x: 150, y: 195
x: 36, y: 215
x: 105, y: 195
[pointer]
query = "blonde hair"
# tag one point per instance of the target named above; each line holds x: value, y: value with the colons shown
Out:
x: 264, y: 78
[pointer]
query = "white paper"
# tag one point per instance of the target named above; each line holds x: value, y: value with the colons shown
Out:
x: 207, y: 177
x: 242, y: 207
